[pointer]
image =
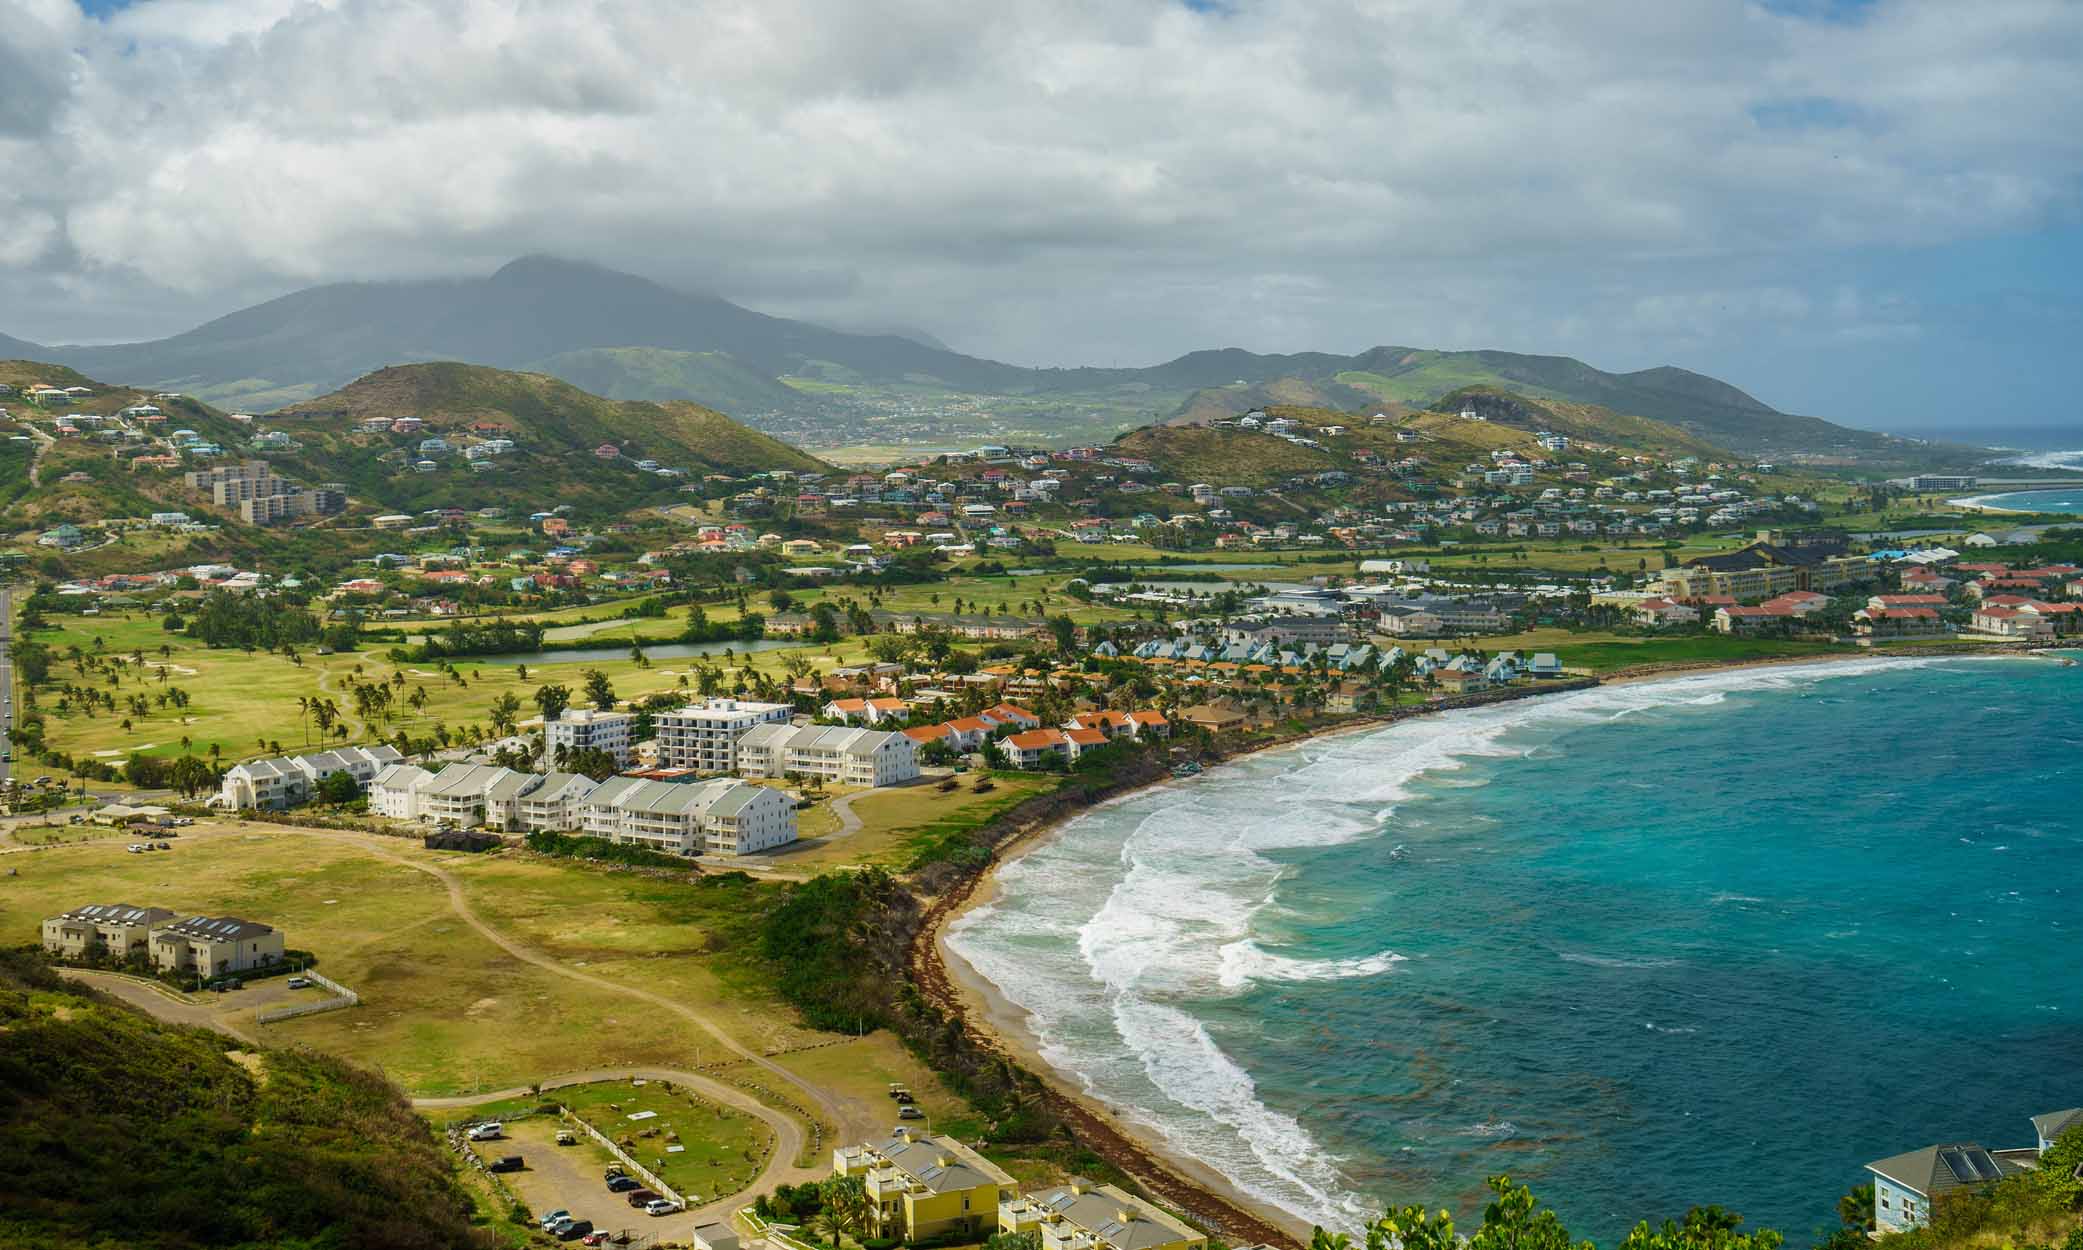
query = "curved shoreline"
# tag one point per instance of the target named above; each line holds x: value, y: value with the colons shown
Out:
x: 1000, y: 1026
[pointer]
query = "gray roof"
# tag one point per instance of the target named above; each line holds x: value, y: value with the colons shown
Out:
x: 1936, y: 1170
x: 397, y: 776
x: 844, y: 739
x: 940, y: 1163
x: 469, y: 780
x: 218, y: 928
x: 554, y: 785
x: 512, y: 786
x: 2052, y: 1124
x: 116, y: 913
x: 1098, y: 1211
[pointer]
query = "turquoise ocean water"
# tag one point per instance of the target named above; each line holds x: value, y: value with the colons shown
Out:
x: 2058, y: 499
x: 1720, y: 939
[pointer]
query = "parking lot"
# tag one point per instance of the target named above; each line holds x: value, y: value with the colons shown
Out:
x: 568, y: 1177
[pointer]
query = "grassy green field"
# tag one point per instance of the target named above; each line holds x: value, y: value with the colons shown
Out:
x: 720, y: 1151
x: 240, y: 699
x: 899, y: 822
x: 445, y: 1010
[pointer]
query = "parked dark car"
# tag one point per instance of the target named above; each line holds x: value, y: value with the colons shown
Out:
x: 509, y: 1163
x: 575, y: 1230
x: 623, y: 1184
x: 638, y: 1197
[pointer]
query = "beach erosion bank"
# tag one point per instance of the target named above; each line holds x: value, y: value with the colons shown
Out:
x: 1122, y: 1132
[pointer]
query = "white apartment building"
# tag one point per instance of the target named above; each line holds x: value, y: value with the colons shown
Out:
x: 394, y: 792
x: 836, y: 753
x: 704, y: 736
x: 581, y: 729
x: 285, y: 781
x: 555, y: 805
x: 466, y: 795
x: 720, y: 817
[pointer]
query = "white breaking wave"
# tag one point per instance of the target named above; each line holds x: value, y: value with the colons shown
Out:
x: 1107, y: 934
x: 2048, y: 460
x: 1615, y: 961
x: 1246, y: 963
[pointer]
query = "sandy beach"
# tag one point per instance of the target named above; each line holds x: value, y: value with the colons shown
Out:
x: 1002, y: 1026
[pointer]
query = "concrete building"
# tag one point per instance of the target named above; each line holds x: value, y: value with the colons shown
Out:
x: 1084, y: 1216
x: 581, y: 729
x: 394, y: 792
x: 466, y: 795
x: 704, y: 736
x: 556, y: 805
x: 212, y: 946
x: 839, y: 754
x: 285, y: 781
x: 921, y: 1187
x: 114, y: 930
x: 719, y: 817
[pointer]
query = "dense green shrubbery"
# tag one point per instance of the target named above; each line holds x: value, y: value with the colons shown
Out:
x: 578, y: 846
x: 818, y: 943
x: 497, y: 637
x: 223, y: 619
x: 121, y: 1131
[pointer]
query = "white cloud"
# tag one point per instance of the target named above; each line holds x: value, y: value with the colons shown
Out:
x: 1050, y: 180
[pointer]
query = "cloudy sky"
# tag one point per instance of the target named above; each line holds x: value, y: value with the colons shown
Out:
x: 1868, y: 211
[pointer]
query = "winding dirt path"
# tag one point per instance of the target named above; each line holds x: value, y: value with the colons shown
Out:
x: 852, y: 1121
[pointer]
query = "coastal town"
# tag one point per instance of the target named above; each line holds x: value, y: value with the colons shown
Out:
x: 628, y: 738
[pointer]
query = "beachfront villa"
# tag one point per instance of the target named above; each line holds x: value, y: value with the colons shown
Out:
x: 1085, y: 1216
x: 923, y: 1186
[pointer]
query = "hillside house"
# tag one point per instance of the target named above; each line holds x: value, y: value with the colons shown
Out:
x: 110, y: 930
x: 212, y: 946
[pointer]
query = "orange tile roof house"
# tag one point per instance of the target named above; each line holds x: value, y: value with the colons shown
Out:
x: 1026, y: 750
x: 1012, y: 714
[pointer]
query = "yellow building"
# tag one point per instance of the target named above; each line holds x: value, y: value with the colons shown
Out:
x: 1084, y: 1216
x: 920, y: 1187
x: 1761, y: 570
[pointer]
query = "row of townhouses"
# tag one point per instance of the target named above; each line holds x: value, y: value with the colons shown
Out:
x: 721, y: 816
x: 206, y: 945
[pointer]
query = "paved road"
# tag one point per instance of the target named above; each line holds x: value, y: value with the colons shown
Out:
x: 153, y: 1000
x: 6, y: 676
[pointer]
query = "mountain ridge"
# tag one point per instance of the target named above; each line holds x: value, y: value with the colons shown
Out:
x: 630, y: 337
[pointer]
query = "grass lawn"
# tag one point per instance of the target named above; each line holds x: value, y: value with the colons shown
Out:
x: 693, y: 943
x: 61, y: 834
x: 240, y: 699
x: 720, y: 1151
x: 899, y: 821
x: 445, y: 1011
x: 864, y: 1068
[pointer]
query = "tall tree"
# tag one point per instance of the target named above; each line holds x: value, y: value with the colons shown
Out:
x: 551, y: 700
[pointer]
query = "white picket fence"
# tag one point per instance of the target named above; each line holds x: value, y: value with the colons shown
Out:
x: 346, y: 998
x: 634, y: 1168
